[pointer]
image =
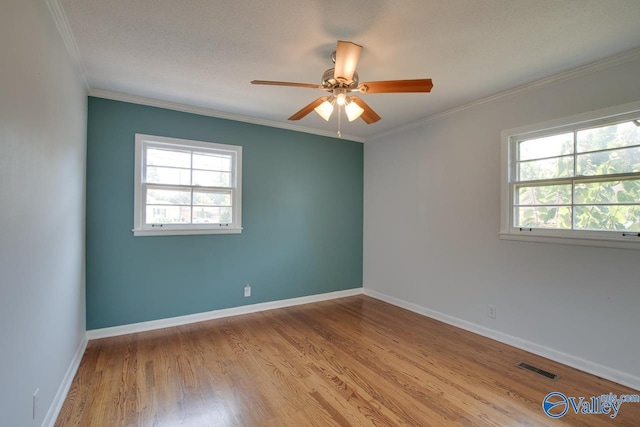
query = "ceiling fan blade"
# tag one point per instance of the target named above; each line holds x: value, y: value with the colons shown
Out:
x: 272, y: 83
x: 394, y: 86
x: 368, y: 115
x: 347, y: 57
x: 308, y: 108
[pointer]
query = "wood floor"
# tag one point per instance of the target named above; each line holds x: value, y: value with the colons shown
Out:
x: 352, y: 361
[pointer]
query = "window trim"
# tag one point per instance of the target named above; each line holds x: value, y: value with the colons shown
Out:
x: 508, y: 153
x: 141, y: 229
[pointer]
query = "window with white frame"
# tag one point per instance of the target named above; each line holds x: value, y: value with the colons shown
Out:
x: 575, y: 178
x: 186, y: 187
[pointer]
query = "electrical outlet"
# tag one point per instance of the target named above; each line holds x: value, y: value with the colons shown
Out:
x: 491, y: 311
x: 36, y: 401
x: 247, y: 290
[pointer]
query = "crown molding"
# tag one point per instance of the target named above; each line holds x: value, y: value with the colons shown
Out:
x: 612, y: 61
x: 60, y: 18
x: 202, y: 111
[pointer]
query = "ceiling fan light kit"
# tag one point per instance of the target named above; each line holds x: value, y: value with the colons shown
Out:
x: 325, y: 109
x: 343, y: 79
x: 353, y: 110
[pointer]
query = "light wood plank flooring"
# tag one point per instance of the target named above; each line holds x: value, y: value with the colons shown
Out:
x: 352, y: 361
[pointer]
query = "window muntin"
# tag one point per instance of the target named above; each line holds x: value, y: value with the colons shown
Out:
x: 186, y: 187
x: 578, y: 178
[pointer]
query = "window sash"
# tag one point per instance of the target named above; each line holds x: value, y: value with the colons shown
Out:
x: 573, y: 182
x: 191, y: 205
x: 572, y: 204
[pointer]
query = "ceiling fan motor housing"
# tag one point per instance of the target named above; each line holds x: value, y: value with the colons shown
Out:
x: 330, y: 82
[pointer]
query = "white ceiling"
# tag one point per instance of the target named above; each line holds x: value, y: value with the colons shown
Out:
x: 204, y: 53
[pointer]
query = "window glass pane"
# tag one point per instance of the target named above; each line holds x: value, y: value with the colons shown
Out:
x: 605, y: 137
x: 599, y: 217
x: 560, y: 167
x: 168, y: 197
x: 212, y: 162
x: 166, y: 214
x: 160, y: 157
x: 549, y: 146
x: 211, y: 199
x: 624, y: 160
x: 171, y: 176
x: 544, y: 195
x: 212, y: 179
x: 544, y: 217
x: 608, y: 192
x: 220, y: 215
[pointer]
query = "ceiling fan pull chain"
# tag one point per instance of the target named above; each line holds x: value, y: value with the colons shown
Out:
x: 339, y: 121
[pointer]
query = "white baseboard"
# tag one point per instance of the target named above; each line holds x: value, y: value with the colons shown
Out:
x: 61, y: 394
x: 590, y: 367
x: 215, y: 314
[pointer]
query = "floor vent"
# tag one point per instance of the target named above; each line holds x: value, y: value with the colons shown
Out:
x: 538, y: 371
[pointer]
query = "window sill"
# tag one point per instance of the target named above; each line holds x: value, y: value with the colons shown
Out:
x: 185, y: 232
x: 619, y: 243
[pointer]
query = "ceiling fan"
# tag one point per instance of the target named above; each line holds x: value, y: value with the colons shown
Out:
x: 341, y: 80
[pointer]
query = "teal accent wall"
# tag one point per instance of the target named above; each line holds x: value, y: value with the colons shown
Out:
x: 302, y: 218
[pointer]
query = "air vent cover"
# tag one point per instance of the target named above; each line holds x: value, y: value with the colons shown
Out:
x: 538, y: 371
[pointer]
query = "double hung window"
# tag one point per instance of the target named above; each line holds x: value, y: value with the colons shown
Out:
x: 186, y: 187
x: 579, y: 179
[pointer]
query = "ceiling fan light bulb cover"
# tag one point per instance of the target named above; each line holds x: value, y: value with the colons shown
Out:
x: 353, y: 111
x: 324, y: 110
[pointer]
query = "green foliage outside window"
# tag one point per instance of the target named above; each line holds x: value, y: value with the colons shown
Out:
x: 595, y: 180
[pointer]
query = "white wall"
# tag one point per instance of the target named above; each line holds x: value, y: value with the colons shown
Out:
x: 432, y: 213
x: 42, y: 156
